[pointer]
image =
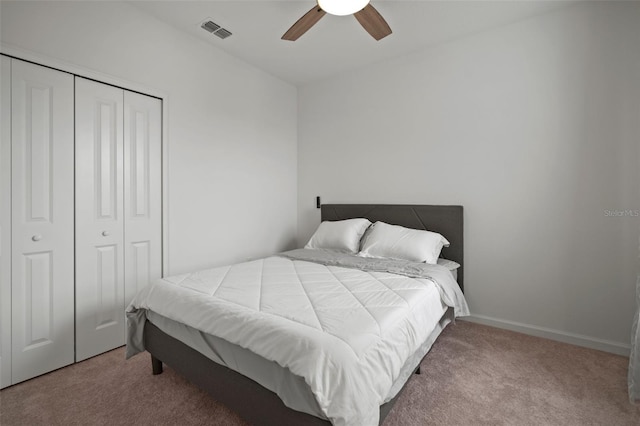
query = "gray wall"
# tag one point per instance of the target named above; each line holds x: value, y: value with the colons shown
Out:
x: 534, y: 128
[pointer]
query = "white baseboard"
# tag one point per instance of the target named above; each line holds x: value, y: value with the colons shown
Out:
x: 560, y: 336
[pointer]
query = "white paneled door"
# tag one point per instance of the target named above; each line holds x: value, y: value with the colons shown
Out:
x: 80, y: 214
x: 142, y: 191
x: 100, y: 294
x: 118, y: 209
x: 5, y: 222
x: 42, y: 220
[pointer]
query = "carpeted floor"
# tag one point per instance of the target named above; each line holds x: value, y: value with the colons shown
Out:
x: 474, y: 375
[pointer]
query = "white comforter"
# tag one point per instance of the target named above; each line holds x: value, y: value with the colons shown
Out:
x: 346, y: 331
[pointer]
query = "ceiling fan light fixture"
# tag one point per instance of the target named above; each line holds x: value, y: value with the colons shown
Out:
x: 342, y: 7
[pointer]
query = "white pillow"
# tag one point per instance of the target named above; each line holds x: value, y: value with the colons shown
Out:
x: 449, y: 264
x: 397, y: 242
x: 341, y: 235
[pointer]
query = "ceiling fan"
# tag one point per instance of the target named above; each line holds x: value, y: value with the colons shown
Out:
x: 365, y: 13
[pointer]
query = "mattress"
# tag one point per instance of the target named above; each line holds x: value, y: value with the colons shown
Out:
x: 347, y: 326
x: 451, y: 266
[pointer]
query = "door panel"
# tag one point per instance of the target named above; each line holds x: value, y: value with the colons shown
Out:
x: 108, y: 310
x: 42, y: 220
x: 5, y: 221
x: 99, y: 218
x: 143, y: 191
x: 38, y: 292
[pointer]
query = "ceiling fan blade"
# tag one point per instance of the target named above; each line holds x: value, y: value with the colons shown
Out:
x: 373, y: 22
x: 303, y: 24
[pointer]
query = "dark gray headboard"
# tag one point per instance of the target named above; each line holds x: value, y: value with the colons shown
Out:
x: 445, y: 220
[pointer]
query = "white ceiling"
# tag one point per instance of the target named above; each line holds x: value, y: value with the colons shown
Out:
x: 337, y: 43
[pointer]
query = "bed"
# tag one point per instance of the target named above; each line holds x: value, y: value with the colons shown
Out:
x: 210, y: 358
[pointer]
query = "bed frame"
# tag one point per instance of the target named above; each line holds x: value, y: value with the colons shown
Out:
x: 235, y: 390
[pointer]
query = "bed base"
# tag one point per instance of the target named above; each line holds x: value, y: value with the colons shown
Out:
x: 229, y: 387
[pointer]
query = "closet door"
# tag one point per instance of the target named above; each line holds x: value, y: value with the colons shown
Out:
x: 5, y: 221
x: 142, y: 191
x: 42, y: 219
x: 99, y: 218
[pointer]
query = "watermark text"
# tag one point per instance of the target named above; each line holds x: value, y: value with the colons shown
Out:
x: 622, y: 213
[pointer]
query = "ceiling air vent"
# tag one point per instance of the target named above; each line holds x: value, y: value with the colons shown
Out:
x: 223, y: 33
x: 210, y: 26
x: 214, y: 28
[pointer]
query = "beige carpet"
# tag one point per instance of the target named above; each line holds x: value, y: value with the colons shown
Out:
x: 474, y: 375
